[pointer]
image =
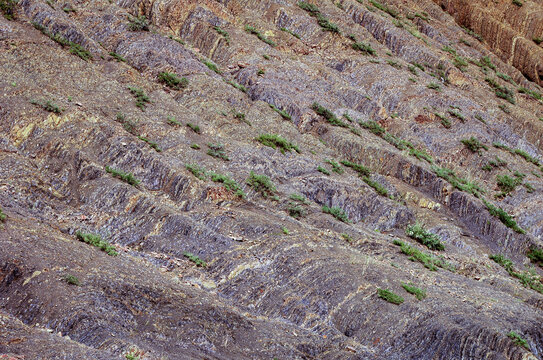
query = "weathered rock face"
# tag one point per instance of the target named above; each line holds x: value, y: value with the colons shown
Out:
x: 418, y: 121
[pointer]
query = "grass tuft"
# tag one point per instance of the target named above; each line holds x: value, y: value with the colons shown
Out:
x: 261, y: 184
x: 172, y: 80
x: 126, y: 177
x: 276, y: 141
x: 96, y: 240
x: 423, y: 236
x: 390, y: 296
x: 338, y: 213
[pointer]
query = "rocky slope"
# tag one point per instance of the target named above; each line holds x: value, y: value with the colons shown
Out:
x: 252, y: 171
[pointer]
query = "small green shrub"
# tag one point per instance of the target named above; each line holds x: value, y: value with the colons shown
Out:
x: 283, y: 113
x: 347, y: 238
x: 171, y: 120
x: 211, y: 66
x: 96, y: 240
x: 229, y: 184
x: 458, y: 182
x: 72, y: 280
x: 504, y: 77
x: 129, y: 125
x: 323, y: 170
x: 412, y: 289
x: 423, y: 236
x: 538, y: 40
x: 501, y: 91
x: 507, y: 183
x: 535, y: 254
x: 444, y: 120
x: 323, y: 22
x: 380, y: 189
x: 8, y: 9
x: 194, y: 128
x: 217, y: 150
x: 360, y: 169
x: 503, y: 216
x: 252, y: 30
x: 516, y: 338
x: 532, y: 93
x: 517, y: 3
x: 141, y: 99
x: 295, y: 207
x: 2, y: 216
x: 474, y: 145
x: 117, y: 57
x: 384, y: 8
x: 151, y: 143
x: 276, y: 141
x: 394, y: 64
x: 291, y: 32
x: 338, y: 213
x: 429, y: 261
x: 195, y: 259
x: 373, y: 127
x: 457, y: 114
x: 285, y: 230
x: 48, y: 105
x: 365, y: 49
x: 328, y: 115
x: 222, y: 32
x: 434, y: 86
x: 172, y: 80
x: 138, y: 23
x: 390, y: 296
x: 126, y: 177
x: 335, y: 166
x: 261, y: 184
x: 196, y: 170
x: 236, y: 85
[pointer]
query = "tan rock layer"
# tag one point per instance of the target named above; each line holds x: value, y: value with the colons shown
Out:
x: 507, y: 28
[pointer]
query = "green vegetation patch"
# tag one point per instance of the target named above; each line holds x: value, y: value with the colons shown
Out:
x: 390, y: 296
x: 8, y: 8
x: 217, y: 151
x: 516, y: 338
x: 420, y: 294
x: 336, y: 212
x: 48, y: 105
x: 504, y: 217
x: 96, y: 240
x: 429, y: 261
x: 364, y: 48
x: 151, y: 143
x: 474, y: 145
x: 72, y: 280
x: 3, y: 216
x: 172, y: 80
x: 501, y: 91
x: 229, y: 183
x: 261, y: 184
x: 458, y: 182
x: 529, y: 279
x: 360, y: 169
x: 141, y: 99
x: 328, y: 115
x: 285, y: 115
x: 277, y: 142
x: 423, y: 236
x: 252, y: 30
x: 126, y: 177
x: 322, y: 20
x: 195, y: 259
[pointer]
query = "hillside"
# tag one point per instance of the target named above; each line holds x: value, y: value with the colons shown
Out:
x: 275, y: 179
